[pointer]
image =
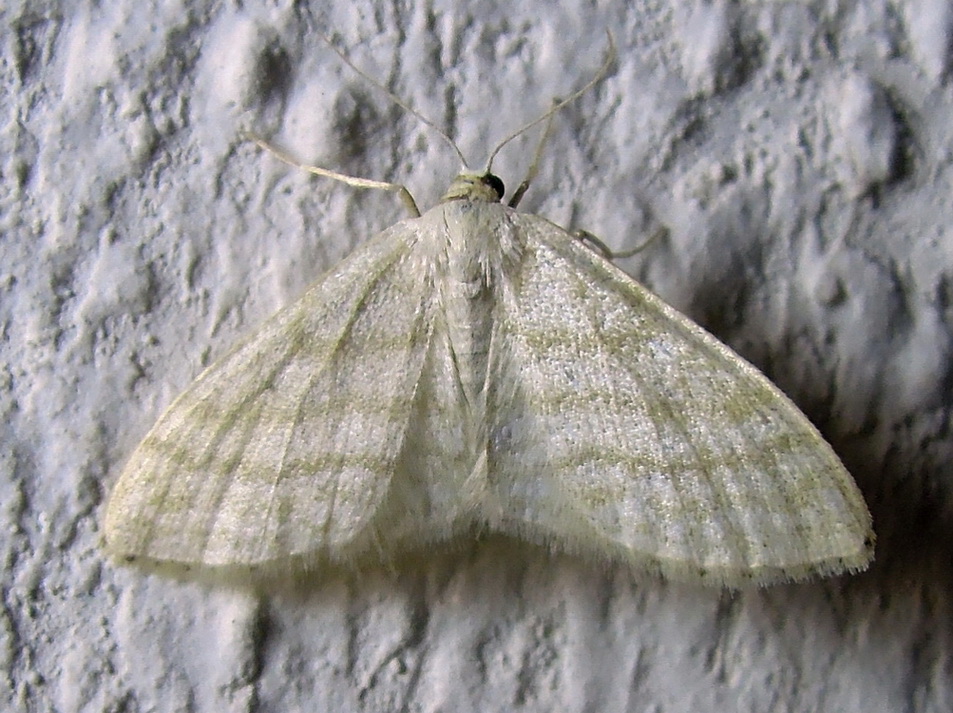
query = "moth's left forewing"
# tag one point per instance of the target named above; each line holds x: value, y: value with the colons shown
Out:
x: 620, y: 427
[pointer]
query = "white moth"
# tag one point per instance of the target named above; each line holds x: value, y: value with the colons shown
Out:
x: 476, y: 368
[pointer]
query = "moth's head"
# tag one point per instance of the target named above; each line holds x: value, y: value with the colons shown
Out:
x: 477, y: 187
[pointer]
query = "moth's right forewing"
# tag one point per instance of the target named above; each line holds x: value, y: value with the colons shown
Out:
x: 287, y: 445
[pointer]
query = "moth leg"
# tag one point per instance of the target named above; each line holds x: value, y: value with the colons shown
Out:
x: 398, y: 188
x: 592, y: 242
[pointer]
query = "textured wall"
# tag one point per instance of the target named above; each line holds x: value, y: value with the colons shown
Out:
x: 799, y: 156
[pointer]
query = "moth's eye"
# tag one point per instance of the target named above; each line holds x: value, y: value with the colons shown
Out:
x: 488, y: 179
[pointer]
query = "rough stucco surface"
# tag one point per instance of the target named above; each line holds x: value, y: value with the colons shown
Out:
x: 799, y: 156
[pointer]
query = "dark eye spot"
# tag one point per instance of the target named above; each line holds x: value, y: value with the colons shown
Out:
x: 495, y: 183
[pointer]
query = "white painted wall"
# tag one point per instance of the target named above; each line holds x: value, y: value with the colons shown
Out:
x: 799, y: 155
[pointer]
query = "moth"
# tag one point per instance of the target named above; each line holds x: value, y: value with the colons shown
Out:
x: 478, y: 368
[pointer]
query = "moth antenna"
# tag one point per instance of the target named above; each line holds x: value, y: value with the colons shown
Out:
x: 534, y: 166
x: 397, y: 100
x: 603, y: 70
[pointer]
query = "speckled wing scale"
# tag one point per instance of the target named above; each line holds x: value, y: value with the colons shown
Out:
x: 634, y: 433
x: 478, y: 367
